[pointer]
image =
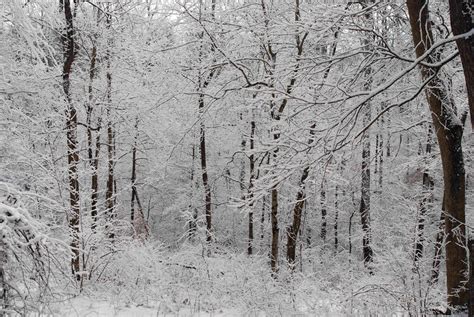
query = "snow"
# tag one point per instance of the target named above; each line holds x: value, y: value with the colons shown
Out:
x: 83, y: 306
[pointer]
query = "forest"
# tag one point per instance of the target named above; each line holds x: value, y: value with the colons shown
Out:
x: 236, y: 157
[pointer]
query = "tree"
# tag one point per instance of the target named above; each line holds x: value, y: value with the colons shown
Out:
x: 449, y: 130
x: 462, y: 23
x: 71, y: 133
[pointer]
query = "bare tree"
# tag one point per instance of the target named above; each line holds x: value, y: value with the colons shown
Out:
x: 449, y: 130
x: 71, y: 133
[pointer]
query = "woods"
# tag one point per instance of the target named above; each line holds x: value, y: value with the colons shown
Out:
x: 243, y: 156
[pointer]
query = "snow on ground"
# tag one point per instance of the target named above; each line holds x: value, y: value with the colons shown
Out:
x: 86, y: 307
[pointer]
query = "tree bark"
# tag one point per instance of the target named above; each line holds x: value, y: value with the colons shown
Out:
x: 292, y: 232
x: 140, y: 226
x: 109, y: 193
x: 134, y: 174
x: 427, y: 198
x: 93, y: 156
x: 365, y: 196
x: 336, y: 216
x: 192, y: 208
x: 449, y: 131
x: 71, y: 134
x: 364, y: 209
x: 251, y: 186
x: 205, y: 177
x: 462, y: 21
x: 324, y: 222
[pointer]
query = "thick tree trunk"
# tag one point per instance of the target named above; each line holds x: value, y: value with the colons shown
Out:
x: 449, y: 131
x: 71, y: 134
x: 462, y: 21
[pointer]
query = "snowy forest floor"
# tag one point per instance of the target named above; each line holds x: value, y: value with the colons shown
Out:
x: 148, y: 280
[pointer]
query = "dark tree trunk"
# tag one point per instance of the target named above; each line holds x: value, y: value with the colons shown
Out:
x: 324, y: 223
x: 471, y: 276
x: 205, y: 177
x: 192, y: 208
x: 251, y: 186
x: 134, y: 174
x: 462, y: 21
x: 427, y: 198
x: 336, y: 216
x: 93, y: 156
x: 140, y: 226
x: 109, y: 193
x: 365, y: 196
x: 449, y: 131
x: 364, y: 209
x: 262, y: 219
x: 71, y: 133
x: 292, y: 232
x: 275, y: 230
x: 380, y: 149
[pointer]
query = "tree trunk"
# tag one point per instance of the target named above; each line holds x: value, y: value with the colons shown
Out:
x: 192, y: 208
x: 275, y: 230
x: 336, y: 216
x: 324, y: 223
x: 364, y: 209
x: 262, y: 220
x: 93, y: 156
x: 427, y: 198
x: 471, y: 276
x: 292, y: 232
x: 462, y: 21
x: 449, y: 131
x: 251, y: 185
x: 3, y: 280
x: 134, y: 174
x: 110, y: 186
x: 205, y: 177
x: 71, y: 133
x: 365, y: 195
x: 380, y: 147
x: 140, y: 226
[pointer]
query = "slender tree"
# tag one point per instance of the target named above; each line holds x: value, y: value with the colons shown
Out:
x: 251, y: 185
x: 68, y: 41
x: 111, y: 183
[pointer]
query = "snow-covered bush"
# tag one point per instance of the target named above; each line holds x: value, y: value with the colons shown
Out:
x: 25, y: 260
